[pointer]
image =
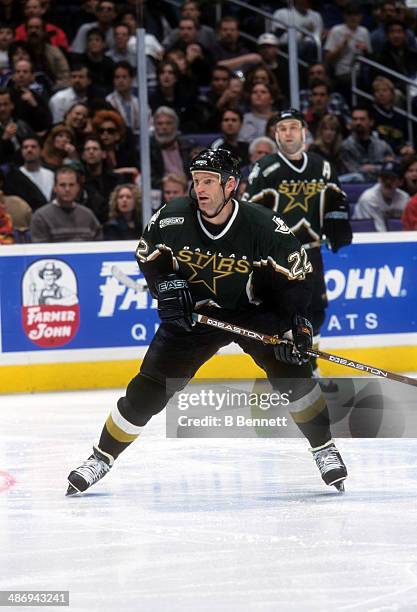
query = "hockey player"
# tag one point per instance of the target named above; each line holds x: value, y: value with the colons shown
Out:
x: 303, y: 190
x: 240, y: 263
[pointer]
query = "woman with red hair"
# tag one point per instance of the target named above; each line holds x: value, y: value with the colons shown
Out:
x: 116, y: 139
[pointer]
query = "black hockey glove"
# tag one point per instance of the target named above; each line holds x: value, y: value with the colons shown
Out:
x: 175, y: 304
x: 336, y: 223
x: 300, y: 339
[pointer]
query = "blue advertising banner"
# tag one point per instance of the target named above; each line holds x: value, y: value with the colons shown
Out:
x: 72, y: 301
x: 68, y: 297
x: 371, y: 289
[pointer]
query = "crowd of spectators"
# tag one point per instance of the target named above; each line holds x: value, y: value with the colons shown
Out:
x: 70, y: 110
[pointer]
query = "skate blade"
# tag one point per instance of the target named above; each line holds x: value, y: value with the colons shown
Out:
x: 340, y: 486
x: 71, y: 490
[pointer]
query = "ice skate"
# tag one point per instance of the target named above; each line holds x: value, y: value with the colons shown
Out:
x: 331, y: 466
x: 89, y: 472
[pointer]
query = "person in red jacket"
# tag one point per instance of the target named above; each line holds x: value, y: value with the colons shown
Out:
x: 57, y: 36
x: 409, y: 217
x: 6, y: 224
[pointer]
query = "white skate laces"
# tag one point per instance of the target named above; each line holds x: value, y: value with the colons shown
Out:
x: 330, y: 463
x: 89, y: 472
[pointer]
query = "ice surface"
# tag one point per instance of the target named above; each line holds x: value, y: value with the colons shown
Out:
x: 201, y: 525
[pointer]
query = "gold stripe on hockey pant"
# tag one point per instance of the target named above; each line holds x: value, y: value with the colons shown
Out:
x: 120, y: 429
x: 309, y: 406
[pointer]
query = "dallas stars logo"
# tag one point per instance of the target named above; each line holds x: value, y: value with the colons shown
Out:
x: 207, y: 273
x: 294, y: 190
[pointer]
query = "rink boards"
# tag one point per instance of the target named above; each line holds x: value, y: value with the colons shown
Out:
x: 66, y: 321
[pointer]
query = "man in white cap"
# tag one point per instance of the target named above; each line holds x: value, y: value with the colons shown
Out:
x: 385, y: 200
x: 268, y: 49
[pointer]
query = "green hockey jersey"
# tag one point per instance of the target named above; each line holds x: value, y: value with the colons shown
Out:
x: 294, y: 191
x: 254, y: 258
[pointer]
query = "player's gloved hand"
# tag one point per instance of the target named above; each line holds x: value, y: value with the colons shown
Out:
x: 336, y: 225
x: 302, y: 332
x: 300, y: 339
x: 175, y: 304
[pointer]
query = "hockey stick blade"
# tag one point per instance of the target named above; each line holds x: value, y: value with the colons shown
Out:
x: 274, y: 340
x: 127, y: 281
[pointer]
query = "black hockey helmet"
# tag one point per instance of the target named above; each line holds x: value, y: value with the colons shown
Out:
x: 291, y: 113
x: 220, y: 161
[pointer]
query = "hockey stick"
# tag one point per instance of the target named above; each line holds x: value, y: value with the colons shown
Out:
x: 274, y: 340
x: 127, y: 281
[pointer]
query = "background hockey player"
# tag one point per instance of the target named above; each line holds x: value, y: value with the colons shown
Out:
x: 240, y: 263
x: 303, y: 190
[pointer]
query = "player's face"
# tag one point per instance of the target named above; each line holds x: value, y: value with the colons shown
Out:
x: 209, y: 192
x: 289, y: 136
